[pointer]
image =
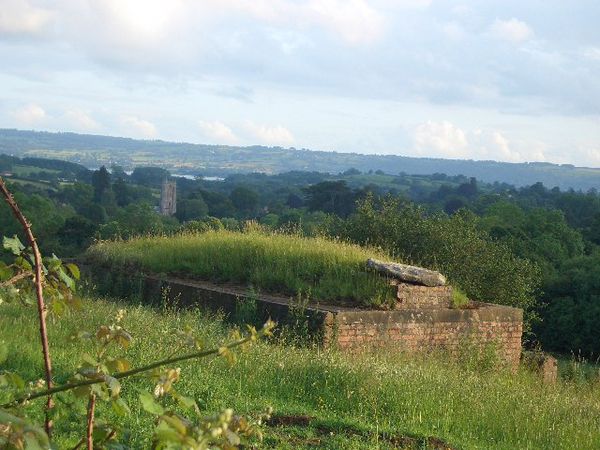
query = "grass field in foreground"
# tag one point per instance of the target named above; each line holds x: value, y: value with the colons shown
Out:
x: 332, y: 271
x: 359, y: 399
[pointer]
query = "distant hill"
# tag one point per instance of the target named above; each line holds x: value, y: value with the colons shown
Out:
x: 93, y: 151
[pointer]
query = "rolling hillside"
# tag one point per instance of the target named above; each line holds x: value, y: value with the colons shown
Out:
x: 93, y: 151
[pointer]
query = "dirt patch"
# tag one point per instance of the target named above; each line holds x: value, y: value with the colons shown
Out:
x: 323, y: 430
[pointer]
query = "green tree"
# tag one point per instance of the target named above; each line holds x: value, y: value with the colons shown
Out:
x: 332, y: 197
x: 245, y: 200
x: 101, y: 183
x: 191, y: 209
x: 486, y: 270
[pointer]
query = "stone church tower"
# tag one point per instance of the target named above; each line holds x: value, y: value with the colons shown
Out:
x: 168, y: 198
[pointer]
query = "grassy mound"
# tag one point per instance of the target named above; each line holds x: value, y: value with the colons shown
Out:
x: 360, y: 400
x: 328, y: 271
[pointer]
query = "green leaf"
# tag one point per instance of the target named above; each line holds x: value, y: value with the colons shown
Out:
x: 114, y: 386
x: 23, y: 263
x: 118, y: 365
x: 69, y: 282
x: 3, y: 352
x: 13, y: 245
x: 31, y: 443
x: 120, y: 407
x: 165, y: 433
x: 150, y: 405
x: 52, y: 263
x: 184, y: 402
x: 74, y: 270
x: 89, y: 359
x: 5, y: 272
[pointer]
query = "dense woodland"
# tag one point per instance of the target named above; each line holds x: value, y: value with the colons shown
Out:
x: 533, y: 247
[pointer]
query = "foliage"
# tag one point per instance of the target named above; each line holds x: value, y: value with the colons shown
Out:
x: 459, y: 298
x: 572, y: 309
x: 548, y: 227
x: 276, y: 262
x: 244, y: 199
x: 98, y: 376
x: 485, y: 270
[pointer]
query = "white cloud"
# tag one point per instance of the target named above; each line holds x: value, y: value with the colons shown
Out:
x: 442, y: 138
x: 218, y: 132
x: 30, y: 114
x: 512, y: 30
x: 354, y: 20
x: 453, y: 31
x: 493, y: 145
x: 446, y: 140
x: 19, y: 17
x: 81, y: 120
x: 592, y: 156
x: 138, y: 127
x: 592, y: 53
x: 270, y: 135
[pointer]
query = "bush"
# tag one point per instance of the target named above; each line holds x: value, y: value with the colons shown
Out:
x: 486, y: 270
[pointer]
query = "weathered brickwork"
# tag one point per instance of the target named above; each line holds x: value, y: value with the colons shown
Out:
x: 409, y: 328
x: 435, y: 329
x: 411, y: 296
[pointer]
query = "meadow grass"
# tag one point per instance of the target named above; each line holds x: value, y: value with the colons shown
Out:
x: 359, y: 399
x: 326, y: 270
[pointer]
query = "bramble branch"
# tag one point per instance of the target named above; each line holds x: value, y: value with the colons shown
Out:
x: 41, y: 306
x: 129, y: 373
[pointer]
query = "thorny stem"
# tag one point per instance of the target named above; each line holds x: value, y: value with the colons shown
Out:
x: 90, y: 422
x: 41, y: 306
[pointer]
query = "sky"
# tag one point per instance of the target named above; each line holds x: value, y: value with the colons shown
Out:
x: 488, y: 79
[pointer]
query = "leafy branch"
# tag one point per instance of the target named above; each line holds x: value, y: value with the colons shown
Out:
x: 41, y: 306
x: 221, y: 351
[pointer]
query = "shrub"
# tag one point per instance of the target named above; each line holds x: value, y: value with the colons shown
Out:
x: 484, y: 269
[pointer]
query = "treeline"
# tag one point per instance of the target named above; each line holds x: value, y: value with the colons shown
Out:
x: 94, y: 151
x: 531, y: 247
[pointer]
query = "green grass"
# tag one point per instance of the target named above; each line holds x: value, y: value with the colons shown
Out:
x: 331, y: 271
x: 357, y: 400
x: 459, y: 298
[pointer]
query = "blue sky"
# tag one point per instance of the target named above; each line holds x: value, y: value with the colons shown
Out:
x: 505, y: 80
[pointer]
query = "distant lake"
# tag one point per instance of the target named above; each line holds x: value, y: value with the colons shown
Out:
x: 186, y: 176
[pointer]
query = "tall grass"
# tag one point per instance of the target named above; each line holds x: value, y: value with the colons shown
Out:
x: 330, y: 271
x: 383, y: 393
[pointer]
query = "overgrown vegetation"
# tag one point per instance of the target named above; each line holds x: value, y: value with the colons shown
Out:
x: 556, y: 230
x: 360, y: 400
x: 51, y: 285
x: 332, y: 271
x: 486, y: 270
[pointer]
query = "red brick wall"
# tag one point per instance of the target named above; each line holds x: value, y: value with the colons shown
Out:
x: 413, y: 329
x: 418, y: 297
x: 442, y: 329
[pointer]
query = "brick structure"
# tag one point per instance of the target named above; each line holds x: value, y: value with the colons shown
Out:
x: 412, y: 327
x: 426, y: 329
x: 411, y: 296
